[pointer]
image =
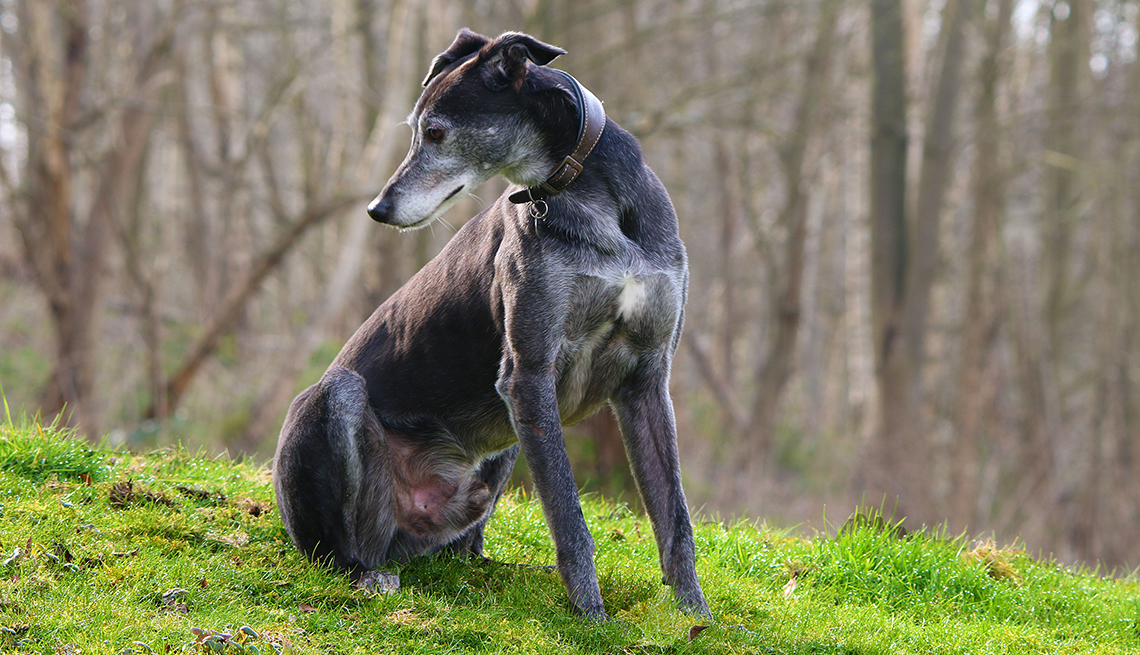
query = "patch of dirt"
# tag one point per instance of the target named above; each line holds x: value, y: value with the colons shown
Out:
x: 201, y: 495
x: 123, y: 495
x: 254, y: 508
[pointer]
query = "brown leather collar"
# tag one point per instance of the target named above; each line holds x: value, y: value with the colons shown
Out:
x: 591, y: 124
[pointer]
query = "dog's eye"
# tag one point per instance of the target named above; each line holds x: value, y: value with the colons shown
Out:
x: 434, y: 134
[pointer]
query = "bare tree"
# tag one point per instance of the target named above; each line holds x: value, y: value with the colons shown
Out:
x: 65, y: 244
x: 900, y: 466
x: 777, y: 366
x: 886, y: 468
x: 980, y: 317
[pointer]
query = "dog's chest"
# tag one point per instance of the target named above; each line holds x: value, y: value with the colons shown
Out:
x: 615, y: 320
x: 631, y: 297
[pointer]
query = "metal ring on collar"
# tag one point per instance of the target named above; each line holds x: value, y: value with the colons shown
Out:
x: 538, y: 209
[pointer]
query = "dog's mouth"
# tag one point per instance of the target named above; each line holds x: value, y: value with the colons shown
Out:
x: 451, y: 195
x: 443, y: 206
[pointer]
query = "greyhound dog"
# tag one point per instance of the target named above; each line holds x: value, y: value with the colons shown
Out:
x: 565, y: 294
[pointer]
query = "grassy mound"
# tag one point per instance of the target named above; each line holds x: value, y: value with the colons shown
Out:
x: 106, y: 552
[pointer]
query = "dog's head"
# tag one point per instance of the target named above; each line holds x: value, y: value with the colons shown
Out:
x: 482, y: 113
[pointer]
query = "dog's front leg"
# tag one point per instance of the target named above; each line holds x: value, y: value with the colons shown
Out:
x: 530, y: 395
x: 648, y: 427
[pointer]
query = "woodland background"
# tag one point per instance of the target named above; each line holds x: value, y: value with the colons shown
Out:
x: 913, y: 228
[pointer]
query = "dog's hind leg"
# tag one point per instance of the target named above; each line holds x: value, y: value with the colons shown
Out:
x: 329, y: 477
x: 645, y: 413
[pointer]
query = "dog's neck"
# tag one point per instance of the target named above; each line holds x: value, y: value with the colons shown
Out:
x: 591, y: 211
x: 591, y: 124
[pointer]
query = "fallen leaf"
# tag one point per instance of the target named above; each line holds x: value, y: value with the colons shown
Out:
x: 170, y: 600
x: 61, y: 551
x: 696, y: 630
x: 122, y: 493
x: 14, y: 558
x: 237, y: 539
x: 790, y: 587
x: 248, y: 631
x: 404, y: 616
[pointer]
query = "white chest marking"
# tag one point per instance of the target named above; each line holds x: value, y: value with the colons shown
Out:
x: 631, y: 297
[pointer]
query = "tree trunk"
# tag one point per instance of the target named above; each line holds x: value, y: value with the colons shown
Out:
x: 905, y: 279
x: 726, y: 211
x: 67, y: 253
x: 887, y: 469
x: 1068, y: 54
x: 610, y: 468
x: 775, y: 371
x: 46, y: 225
x: 1127, y: 441
x: 129, y: 228
x: 980, y: 314
x: 937, y: 163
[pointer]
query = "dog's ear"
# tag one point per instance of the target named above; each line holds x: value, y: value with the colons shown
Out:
x: 508, y: 54
x: 465, y: 43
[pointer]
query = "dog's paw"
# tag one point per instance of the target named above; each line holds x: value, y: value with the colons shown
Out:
x: 697, y: 609
x: 378, y: 581
x: 594, y: 613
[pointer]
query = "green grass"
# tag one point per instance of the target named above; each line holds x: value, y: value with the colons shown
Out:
x: 107, y: 552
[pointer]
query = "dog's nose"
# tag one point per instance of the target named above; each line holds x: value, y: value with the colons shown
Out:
x: 380, y: 209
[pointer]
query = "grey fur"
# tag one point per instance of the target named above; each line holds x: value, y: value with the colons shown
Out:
x: 518, y: 327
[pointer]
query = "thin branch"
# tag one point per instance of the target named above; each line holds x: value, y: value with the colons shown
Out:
x: 716, y: 382
x: 239, y: 295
